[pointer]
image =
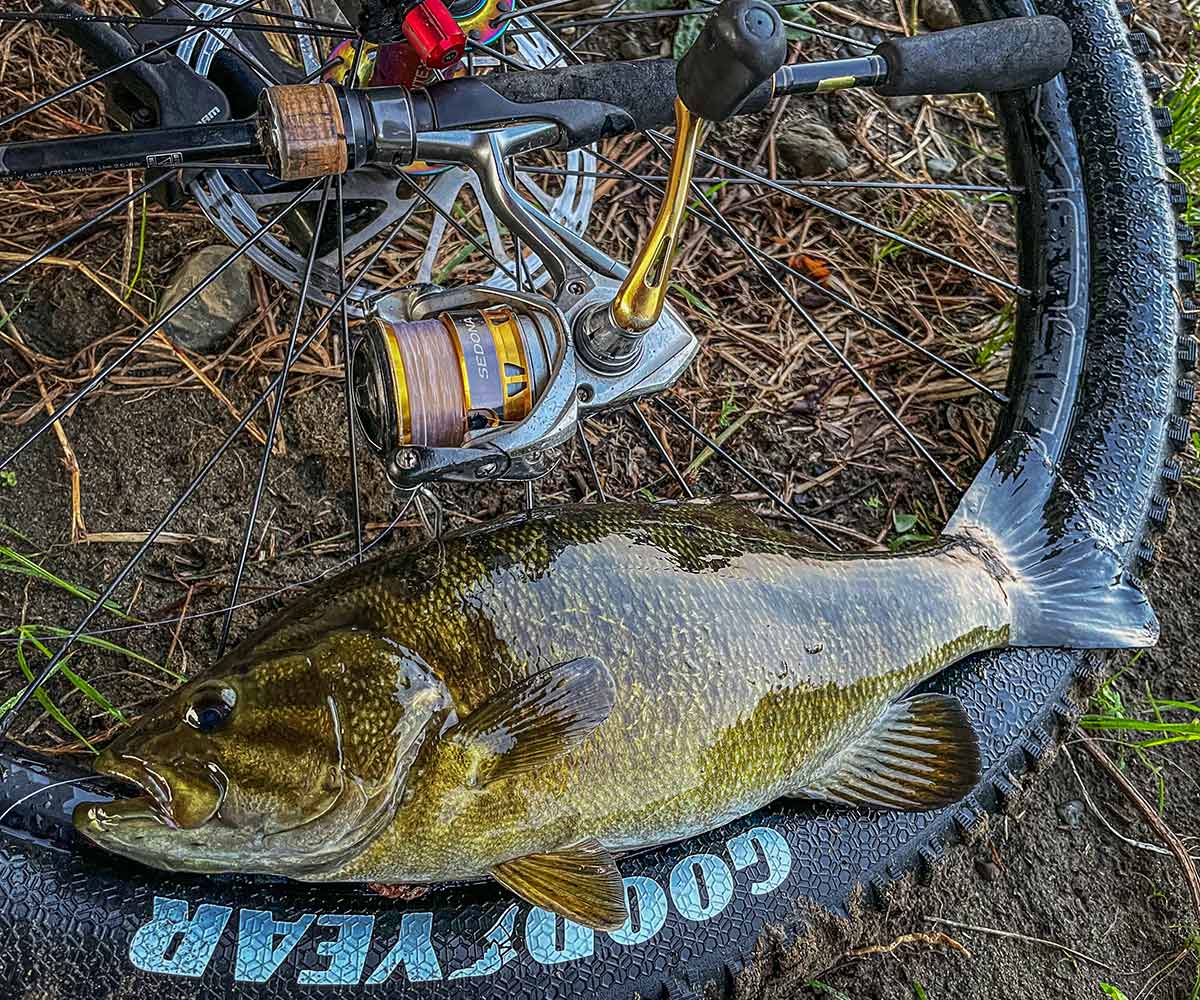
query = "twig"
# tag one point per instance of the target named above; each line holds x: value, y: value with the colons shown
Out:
x: 1141, y: 845
x: 1152, y: 818
x: 187, y: 601
x: 79, y: 530
x: 1014, y: 935
x: 931, y: 938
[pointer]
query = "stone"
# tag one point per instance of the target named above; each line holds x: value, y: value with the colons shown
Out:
x: 939, y: 14
x: 989, y: 871
x: 941, y: 167
x: 810, y: 148
x: 206, y: 323
x: 1072, y: 813
x: 864, y: 44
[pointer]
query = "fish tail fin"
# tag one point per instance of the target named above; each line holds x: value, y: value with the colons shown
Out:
x: 1067, y: 580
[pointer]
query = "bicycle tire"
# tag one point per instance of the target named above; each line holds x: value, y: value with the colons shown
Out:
x: 1100, y: 353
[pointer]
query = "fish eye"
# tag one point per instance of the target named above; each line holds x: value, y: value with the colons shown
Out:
x: 210, y: 709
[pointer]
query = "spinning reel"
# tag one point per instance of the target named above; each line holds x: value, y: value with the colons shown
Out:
x: 477, y: 383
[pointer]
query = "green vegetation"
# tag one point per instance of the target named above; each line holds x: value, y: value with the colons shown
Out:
x: 911, y: 528
x: 1184, y: 103
x: 28, y: 642
x: 12, y: 561
x: 141, y: 253
x: 1112, y: 715
x: 1158, y: 731
x: 906, y: 227
x: 1000, y: 337
x: 728, y: 408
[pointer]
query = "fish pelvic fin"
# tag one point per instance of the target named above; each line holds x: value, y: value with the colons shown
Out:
x: 537, y: 719
x: 581, y: 883
x: 1066, y: 577
x: 919, y: 754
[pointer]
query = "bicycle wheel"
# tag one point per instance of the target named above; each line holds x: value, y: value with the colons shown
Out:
x: 1097, y: 355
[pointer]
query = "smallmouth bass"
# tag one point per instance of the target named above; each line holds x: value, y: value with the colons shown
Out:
x: 529, y: 700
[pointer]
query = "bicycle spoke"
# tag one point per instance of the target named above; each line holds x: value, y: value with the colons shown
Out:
x: 50, y: 17
x: 487, y: 50
x: 829, y: 184
x: 591, y: 461
x: 103, y: 74
x: 347, y: 348
x: 849, y: 217
x: 320, y: 71
x: 591, y: 31
x: 851, y: 369
x: 457, y: 227
x: 58, y: 244
x: 287, y: 15
x: 662, y: 451
x: 879, y: 323
x: 259, y: 70
x: 757, y: 480
x: 814, y: 202
x: 7, y: 640
x: 661, y: 142
x: 276, y: 412
x: 544, y: 5
x: 110, y: 589
x: 71, y: 401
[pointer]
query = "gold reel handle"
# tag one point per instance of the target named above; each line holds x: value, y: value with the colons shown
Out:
x: 736, y: 54
x: 640, y: 299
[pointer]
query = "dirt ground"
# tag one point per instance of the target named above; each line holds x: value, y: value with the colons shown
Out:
x: 1052, y: 869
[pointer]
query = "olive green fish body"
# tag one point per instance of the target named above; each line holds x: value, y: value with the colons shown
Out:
x: 740, y: 662
x: 530, y: 700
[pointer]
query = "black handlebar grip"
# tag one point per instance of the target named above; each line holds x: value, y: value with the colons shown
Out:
x: 739, y: 48
x: 1010, y: 54
x: 589, y: 102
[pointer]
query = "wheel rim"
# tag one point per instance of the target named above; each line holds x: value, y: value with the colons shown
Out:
x: 873, y: 849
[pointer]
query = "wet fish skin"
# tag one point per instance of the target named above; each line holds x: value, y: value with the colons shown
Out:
x: 741, y: 665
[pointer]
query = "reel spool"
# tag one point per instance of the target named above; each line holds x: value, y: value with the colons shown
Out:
x: 436, y: 383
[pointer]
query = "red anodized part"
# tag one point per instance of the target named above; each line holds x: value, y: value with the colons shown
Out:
x: 434, y: 34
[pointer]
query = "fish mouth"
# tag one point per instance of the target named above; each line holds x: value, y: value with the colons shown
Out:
x: 171, y: 800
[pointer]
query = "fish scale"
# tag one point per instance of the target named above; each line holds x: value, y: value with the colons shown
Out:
x: 720, y: 704
x: 531, y: 699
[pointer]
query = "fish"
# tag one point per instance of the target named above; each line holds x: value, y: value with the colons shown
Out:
x: 532, y: 700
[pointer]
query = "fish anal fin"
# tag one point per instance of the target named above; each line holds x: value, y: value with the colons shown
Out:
x: 581, y: 883
x: 919, y: 754
x: 537, y: 719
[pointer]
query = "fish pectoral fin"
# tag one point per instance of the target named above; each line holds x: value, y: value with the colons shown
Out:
x: 580, y: 883
x: 920, y: 754
x: 536, y: 720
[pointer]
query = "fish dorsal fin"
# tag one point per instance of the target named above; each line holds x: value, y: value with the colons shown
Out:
x: 580, y: 883
x: 537, y: 719
x: 920, y: 754
x: 729, y: 512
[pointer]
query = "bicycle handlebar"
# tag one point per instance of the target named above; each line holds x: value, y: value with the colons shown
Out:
x: 587, y: 103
